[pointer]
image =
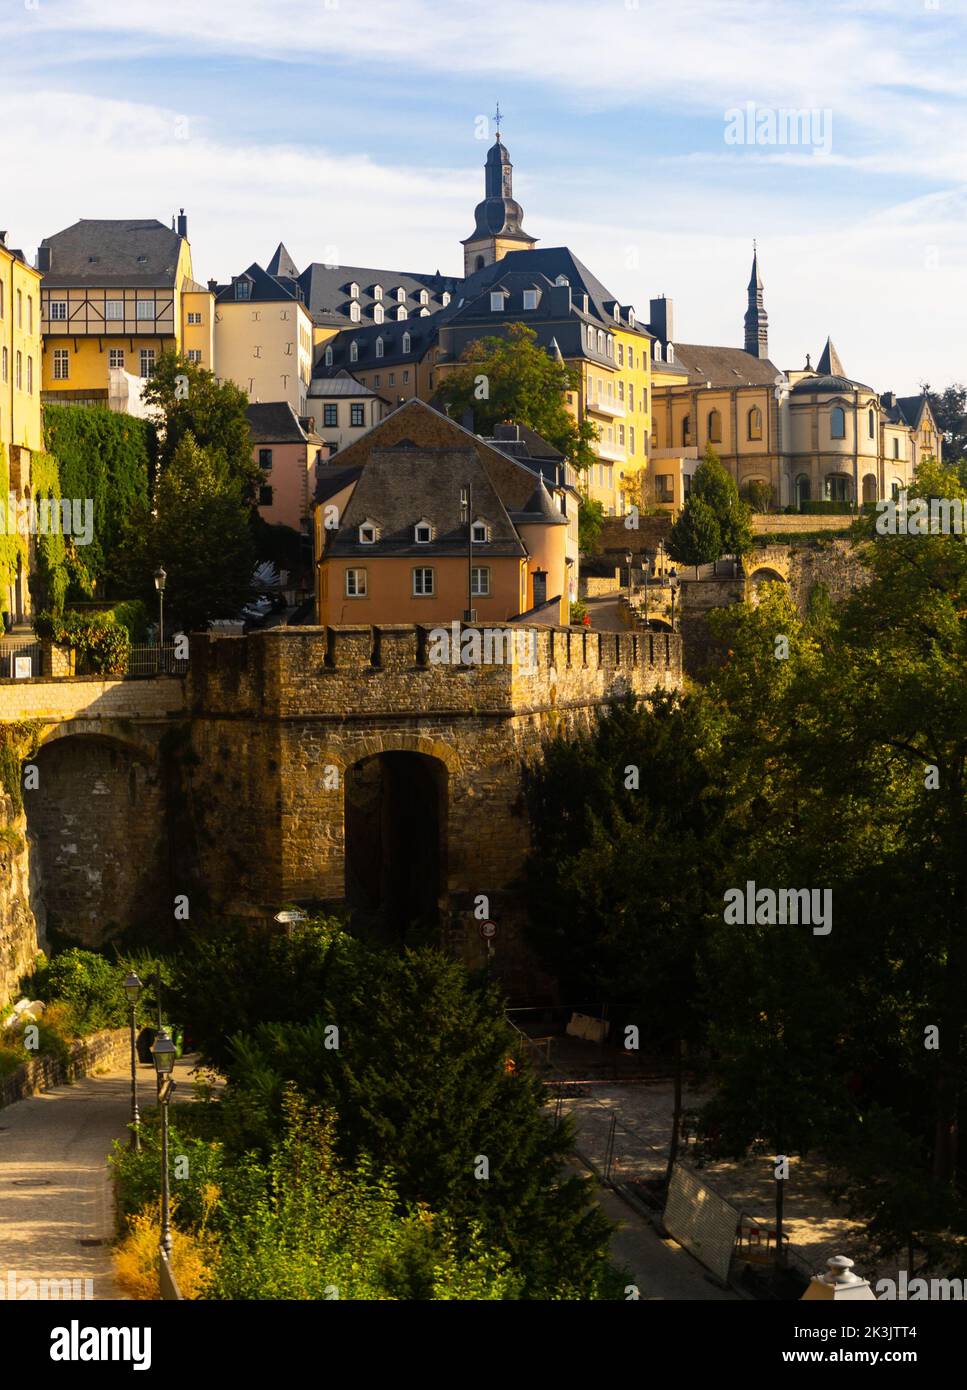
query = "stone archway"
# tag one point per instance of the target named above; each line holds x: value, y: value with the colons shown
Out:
x: 97, y: 828
x: 395, y: 804
x: 870, y: 487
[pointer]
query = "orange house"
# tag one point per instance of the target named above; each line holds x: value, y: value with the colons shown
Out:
x: 413, y: 532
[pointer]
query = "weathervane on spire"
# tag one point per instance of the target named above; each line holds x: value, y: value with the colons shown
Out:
x: 497, y: 120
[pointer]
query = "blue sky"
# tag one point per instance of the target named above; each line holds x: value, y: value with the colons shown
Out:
x: 355, y: 125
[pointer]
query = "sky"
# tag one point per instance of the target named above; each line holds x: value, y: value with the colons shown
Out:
x: 648, y: 137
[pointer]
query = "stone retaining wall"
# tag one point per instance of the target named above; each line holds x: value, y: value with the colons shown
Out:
x: 104, y: 1051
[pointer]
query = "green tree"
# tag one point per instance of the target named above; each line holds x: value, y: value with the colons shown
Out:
x: 508, y: 377
x: 189, y: 401
x: 696, y: 537
x: 200, y: 533
x: 714, y: 485
x: 590, y: 522
x: 950, y: 411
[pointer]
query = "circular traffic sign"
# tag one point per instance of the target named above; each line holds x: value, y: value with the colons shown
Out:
x: 488, y: 930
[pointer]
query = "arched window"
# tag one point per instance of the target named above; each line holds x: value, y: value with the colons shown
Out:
x: 600, y: 343
x: 658, y: 352
x: 686, y: 430
x: 631, y: 318
x: 406, y: 342
x: 379, y: 347
x: 401, y: 313
x: 610, y: 346
x: 873, y: 428
x: 328, y: 356
x: 354, y: 352
x: 401, y: 295
x: 424, y: 297
x: 354, y: 312
x: 669, y: 353
x: 755, y: 423
x: 715, y: 426
x: 837, y: 423
x: 446, y: 298
x: 354, y: 291
x: 378, y: 313
x: 377, y: 292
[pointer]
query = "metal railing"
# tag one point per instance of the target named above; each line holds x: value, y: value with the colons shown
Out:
x: 14, y: 650
x: 142, y: 661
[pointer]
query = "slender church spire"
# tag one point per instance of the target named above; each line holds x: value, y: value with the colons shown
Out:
x: 498, y: 219
x: 756, y: 318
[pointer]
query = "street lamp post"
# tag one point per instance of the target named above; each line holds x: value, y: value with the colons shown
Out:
x: 132, y: 988
x: 645, y: 568
x: 163, y: 1053
x: 159, y: 584
x: 673, y: 583
x: 628, y: 559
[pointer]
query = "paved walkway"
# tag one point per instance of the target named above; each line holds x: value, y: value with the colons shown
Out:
x: 56, y: 1196
x: 659, y: 1269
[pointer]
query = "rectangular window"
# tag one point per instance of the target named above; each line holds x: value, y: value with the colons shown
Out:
x: 265, y: 495
x: 114, y: 309
x: 194, y: 355
x: 376, y: 379
x: 194, y: 318
x: 356, y: 414
x: 621, y: 355
x: 621, y: 434
x: 330, y: 416
x: 58, y: 310
x: 631, y: 439
x: 30, y: 313
x: 422, y: 583
x: 392, y: 378
x: 496, y: 302
x: 116, y: 357
x: 480, y: 581
x: 61, y: 364
x: 621, y: 391
x: 30, y: 376
x: 406, y: 378
x: 147, y: 362
x: 664, y: 487
x: 145, y: 310
x: 631, y: 395
x: 355, y: 583
x: 265, y: 458
x: 530, y: 299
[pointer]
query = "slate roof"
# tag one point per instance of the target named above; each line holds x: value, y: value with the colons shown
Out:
x: 723, y: 366
x: 266, y: 288
x: 327, y: 297
x: 282, y: 264
x: 402, y: 485
x: 912, y: 408
x: 539, y: 509
x: 829, y: 363
x: 523, y: 442
x: 552, y: 262
x: 827, y: 383
x: 341, y: 385
x: 274, y: 422
x: 330, y: 480
x: 113, y: 252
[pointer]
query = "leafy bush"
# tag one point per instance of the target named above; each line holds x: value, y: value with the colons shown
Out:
x: 101, y: 643
x: 89, y: 984
x: 193, y: 1255
x: 132, y: 615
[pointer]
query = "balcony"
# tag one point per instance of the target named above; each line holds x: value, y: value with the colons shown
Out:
x: 611, y: 408
x: 615, y: 453
x: 686, y: 451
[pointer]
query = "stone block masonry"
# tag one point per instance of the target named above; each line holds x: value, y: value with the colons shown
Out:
x: 104, y: 1051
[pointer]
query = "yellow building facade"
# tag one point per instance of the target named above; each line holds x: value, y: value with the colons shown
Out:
x: 116, y: 295
x: 21, y: 428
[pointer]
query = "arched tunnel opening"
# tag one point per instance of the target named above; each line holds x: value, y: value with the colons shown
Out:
x: 395, y: 846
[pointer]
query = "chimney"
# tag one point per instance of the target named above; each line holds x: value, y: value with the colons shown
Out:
x: 43, y: 259
x: 889, y: 399
x: 182, y: 224
x: 213, y: 286
x: 661, y: 319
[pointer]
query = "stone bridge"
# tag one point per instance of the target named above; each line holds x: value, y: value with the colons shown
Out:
x: 315, y: 766
x: 767, y: 562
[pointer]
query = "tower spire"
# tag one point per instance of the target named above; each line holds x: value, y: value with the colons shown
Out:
x: 756, y: 318
x: 498, y: 219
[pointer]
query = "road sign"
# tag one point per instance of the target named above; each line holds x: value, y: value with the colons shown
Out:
x: 488, y: 930
x: 290, y: 916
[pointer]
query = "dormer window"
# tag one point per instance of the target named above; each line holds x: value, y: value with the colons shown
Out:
x: 379, y: 347
x: 631, y: 318
x: 354, y: 312
x: 378, y: 313
x: 368, y: 532
x: 243, y: 289
x: 479, y: 533
x: 424, y: 313
x: 496, y: 301
x: 354, y: 291
x: 446, y: 298
x: 562, y: 280
x: 423, y: 532
x: 617, y: 313
x: 424, y: 297
x: 354, y: 352
x: 658, y: 352
x: 328, y: 356
x: 406, y: 342
x: 610, y: 346
x: 401, y: 295
x: 378, y: 292
x: 530, y: 299
x: 600, y: 343
x: 670, y: 353
x: 401, y: 313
